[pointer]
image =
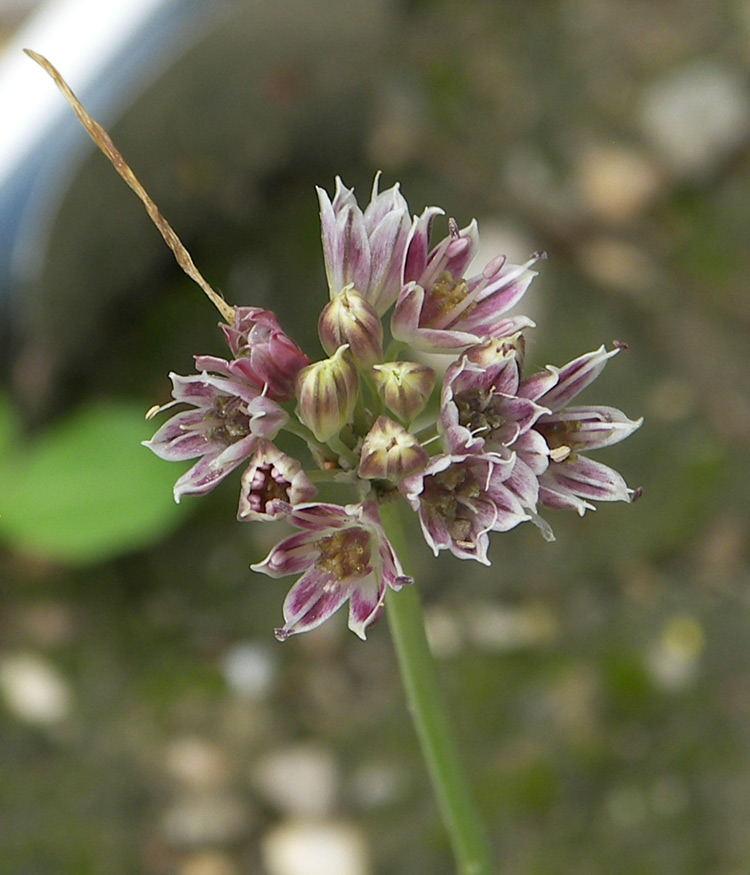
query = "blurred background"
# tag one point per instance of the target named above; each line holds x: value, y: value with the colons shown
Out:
x: 149, y: 722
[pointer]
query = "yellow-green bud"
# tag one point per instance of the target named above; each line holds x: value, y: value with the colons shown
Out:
x: 390, y: 452
x: 404, y: 387
x: 348, y: 318
x: 327, y: 394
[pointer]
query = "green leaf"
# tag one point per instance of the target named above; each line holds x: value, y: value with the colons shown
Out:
x: 9, y: 428
x: 86, y: 490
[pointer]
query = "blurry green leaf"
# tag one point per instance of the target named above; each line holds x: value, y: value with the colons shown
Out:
x: 8, y: 426
x: 87, y: 490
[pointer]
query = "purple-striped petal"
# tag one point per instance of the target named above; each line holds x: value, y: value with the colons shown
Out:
x: 587, y: 479
x: 591, y: 428
x: 290, y: 556
x: 180, y: 438
x: 311, y: 601
x: 365, y: 604
x: 419, y: 244
x: 574, y: 377
x: 213, y: 468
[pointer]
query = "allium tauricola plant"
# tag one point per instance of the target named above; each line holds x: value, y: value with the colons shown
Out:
x: 501, y: 447
x: 504, y: 443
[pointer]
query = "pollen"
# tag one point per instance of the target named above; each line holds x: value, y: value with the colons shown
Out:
x: 478, y: 411
x: 345, y: 554
x: 227, y: 421
x: 448, y: 293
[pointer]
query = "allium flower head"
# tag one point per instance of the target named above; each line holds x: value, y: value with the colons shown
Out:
x: 501, y: 443
x: 343, y: 555
x: 499, y: 446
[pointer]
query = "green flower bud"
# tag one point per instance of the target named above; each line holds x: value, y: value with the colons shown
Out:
x: 327, y: 394
x: 390, y: 452
x: 348, y: 318
x: 404, y: 387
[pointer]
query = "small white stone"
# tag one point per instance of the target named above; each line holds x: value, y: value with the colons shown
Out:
x: 34, y: 690
x: 302, y: 781
x: 208, y: 863
x: 315, y: 848
x: 444, y: 632
x: 250, y: 670
x: 376, y: 784
x: 675, y: 659
x: 616, y: 183
x: 618, y: 264
x: 197, y: 763
x: 205, y: 819
x: 497, y: 627
x: 696, y: 116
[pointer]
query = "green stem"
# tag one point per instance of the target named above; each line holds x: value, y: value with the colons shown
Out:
x: 419, y: 677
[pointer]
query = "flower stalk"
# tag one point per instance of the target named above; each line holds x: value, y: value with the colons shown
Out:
x: 419, y: 677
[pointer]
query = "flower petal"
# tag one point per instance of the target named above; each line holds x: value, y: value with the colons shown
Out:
x: 365, y: 604
x: 587, y: 479
x: 574, y: 377
x: 213, y: 468
x: 290, y: 556
x: 181, y: 437
x: 311, y: 601
x: 593, y: 427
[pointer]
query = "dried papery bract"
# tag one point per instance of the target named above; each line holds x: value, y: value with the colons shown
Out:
x: 104, y: 142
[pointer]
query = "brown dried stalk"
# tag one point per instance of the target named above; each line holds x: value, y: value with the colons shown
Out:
x: 104, y: 142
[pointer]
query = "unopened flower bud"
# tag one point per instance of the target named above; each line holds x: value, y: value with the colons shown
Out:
x: 404, y: 387
x: 348, y: 318
x: 327, y: 393
x: 264, y: 355
x: 390, y: 452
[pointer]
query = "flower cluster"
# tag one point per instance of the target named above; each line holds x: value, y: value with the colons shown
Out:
x: 499, y: 445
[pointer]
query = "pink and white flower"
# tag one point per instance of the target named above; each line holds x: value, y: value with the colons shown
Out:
x: 343, y: 555
x: 460, y: 499
x: 229, y: 419
x: 441, y: 311
x: 272, y: 484
x: 481, y: 410
x: 573, y: 481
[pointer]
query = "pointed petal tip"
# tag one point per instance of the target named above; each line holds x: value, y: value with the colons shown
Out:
x: 359, y: 630
x: 282, y: 634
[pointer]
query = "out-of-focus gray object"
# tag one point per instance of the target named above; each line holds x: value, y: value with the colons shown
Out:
x: 220, y: 97
x: 110, y: 52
